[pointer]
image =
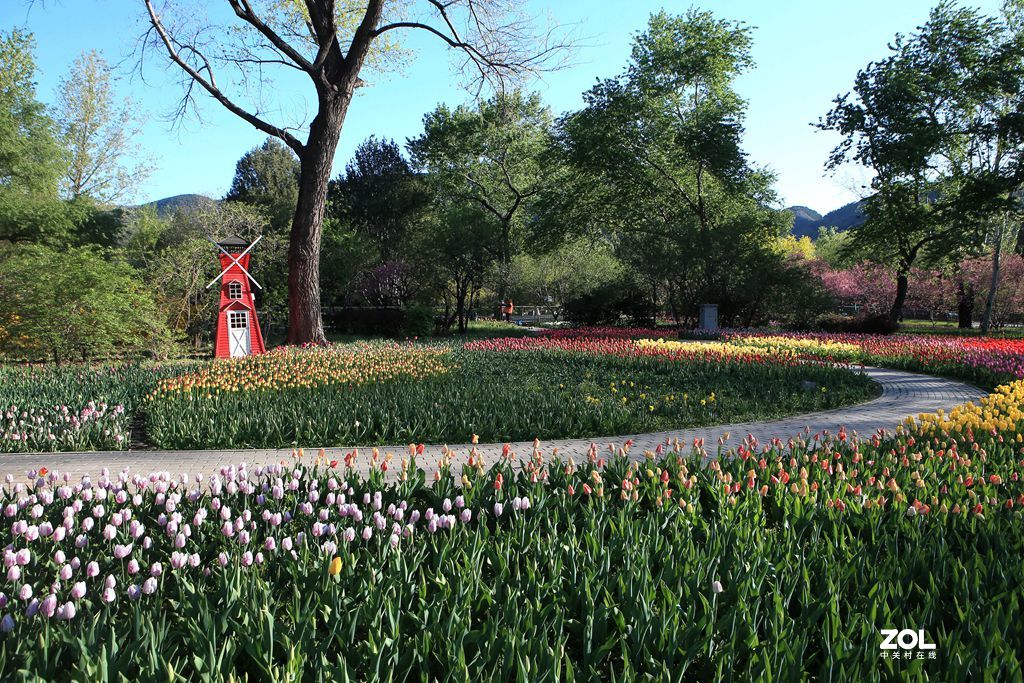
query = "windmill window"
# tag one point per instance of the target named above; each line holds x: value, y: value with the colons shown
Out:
x: 234, y: 290
x: 238, y: 320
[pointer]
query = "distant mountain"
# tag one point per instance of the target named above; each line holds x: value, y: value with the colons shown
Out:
x: 168, y: 206
x: 807, y: 222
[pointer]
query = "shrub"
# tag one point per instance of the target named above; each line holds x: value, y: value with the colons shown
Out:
x: 389, y: 321
x: 74, y: 303
x: 870, y: 323
x: 610, y: 303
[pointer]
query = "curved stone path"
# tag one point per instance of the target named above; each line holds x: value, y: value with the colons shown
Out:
x: 903, y: 394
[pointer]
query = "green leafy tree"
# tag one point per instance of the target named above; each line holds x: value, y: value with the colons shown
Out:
x: 75, y: 303
x: 30, y: 158
x: 456, y: 241
x: 380, y: 197
x: 268, y: 177
x: 936, y: 122
x: 101, y: 158
x: 490, y: 155
x: 654, y: 161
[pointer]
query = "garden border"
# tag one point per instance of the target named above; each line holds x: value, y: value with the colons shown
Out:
x: 903, y: 394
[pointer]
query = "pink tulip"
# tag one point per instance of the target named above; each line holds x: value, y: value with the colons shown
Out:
x: 149, y: 586
x: 92, y: 569
x: 48, y: 606
x: 68, y: 611
x: 78, y: 590
x: 25, y: 594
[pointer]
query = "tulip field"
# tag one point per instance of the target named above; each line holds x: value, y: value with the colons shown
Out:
x: 73, y: 408
x: 696, y: 561
x: 786, y: 558
x: 506, y: 391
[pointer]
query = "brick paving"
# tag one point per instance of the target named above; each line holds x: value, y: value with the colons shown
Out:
x: 903, y: 394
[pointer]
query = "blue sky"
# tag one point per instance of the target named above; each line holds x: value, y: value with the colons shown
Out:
x: 806, y: 51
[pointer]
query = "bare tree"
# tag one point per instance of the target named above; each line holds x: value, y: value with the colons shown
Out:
x: 330, y: 42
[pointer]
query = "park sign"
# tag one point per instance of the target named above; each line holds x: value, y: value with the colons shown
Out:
x: 237, y: 331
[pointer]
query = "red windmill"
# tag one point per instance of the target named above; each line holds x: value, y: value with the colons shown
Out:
x: 238, y: 330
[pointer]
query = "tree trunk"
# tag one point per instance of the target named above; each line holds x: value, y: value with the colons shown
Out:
x: 461, y: 290
x: 902, y: 284
x: 964, y: 305
x: 993, y: 285
x: 1019, y: 250
x: 305, y: 321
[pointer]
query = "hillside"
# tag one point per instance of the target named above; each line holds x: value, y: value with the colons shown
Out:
x: 807, y: 222
x: 168, y: 206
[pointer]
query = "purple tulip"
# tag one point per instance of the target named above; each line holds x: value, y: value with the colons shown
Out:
x: 48, y: 606
x: 7, y: 623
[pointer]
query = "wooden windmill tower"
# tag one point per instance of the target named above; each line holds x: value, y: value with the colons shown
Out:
x: 238, y: 331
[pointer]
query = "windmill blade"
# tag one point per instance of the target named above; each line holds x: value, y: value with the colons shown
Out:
x: 235, y: 261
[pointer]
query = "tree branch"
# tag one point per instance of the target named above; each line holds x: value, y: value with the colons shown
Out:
x: 209, y: 84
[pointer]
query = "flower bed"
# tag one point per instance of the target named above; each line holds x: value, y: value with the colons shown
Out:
x: 985, y: 361
x: 774, y: 558
x: 72, y: 408
x: 982, y: 360
x: 504, y: 390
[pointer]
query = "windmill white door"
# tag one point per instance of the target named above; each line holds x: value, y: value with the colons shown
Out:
x: 238, y: 333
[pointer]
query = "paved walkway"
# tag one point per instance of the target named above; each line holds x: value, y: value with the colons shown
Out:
x: 903, y: 394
